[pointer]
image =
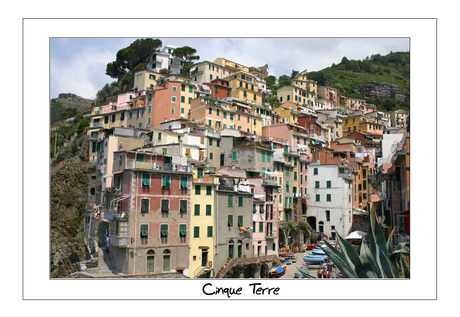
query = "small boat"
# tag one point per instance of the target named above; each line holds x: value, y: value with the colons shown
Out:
x: 298, y: 273
x: 286, y: 254
x: 278, y: 271
x: 315, y: 265
x: 314, y: 258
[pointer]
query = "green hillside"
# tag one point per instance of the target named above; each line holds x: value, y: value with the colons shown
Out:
x: 350, y: 75
x: 67, y: 106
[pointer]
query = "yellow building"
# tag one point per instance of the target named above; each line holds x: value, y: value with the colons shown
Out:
x: 361, y: 123
x: 288, y: 110
x: 310, y: 85
x: 235, y: 67
x: 203, y: 220
x: 145, y: 80
x: 299, y: 96
x: 244, y: 87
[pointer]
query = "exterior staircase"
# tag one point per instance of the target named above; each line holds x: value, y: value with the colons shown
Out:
x: 106, y: 268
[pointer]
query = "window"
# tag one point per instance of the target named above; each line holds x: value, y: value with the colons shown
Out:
x: 230, y: 200
x: 145, y: 205
x: 164, y: 231
x: 144, y: 231
x: 315, y: 171
x: 182, y: 230
x: 230, y: 220
x: 234, y: 155
x: 182, y: 98
x: 166, y: 181
x: 197, y: 190
x: 218, y: 143
x: 209, y: 231
x: 197, y: 210
x: 328, y: 197
x: 240, y: 201
x: 145, y: 180
x: 164, y: 205
x: 173, y: 99
x: 173, y: 111
x: 183, y: 206
x: 268, y: 157
x: 196, y: 232
x: 263, y: 156
x: 208, y: 210
x: 328, y: 184
x: 113, y: 117
x: 210, y: 110
x: 190, y: 89
x: 328, y: 215
x: 317, y: 184
x: 318, y: 198
x: 174, y: 88
x: 261, y: 226
x: 208, y: 190
x: 149, y: 120
x: 240, y: 221
x: 183, y: 182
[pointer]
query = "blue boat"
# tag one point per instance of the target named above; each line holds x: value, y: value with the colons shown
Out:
x: 313, y: 258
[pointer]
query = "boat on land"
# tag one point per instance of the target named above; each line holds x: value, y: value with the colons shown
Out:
x: 298, y: 273
x: 314, y: 259
x: 286, y: 254
x: 278, y: 271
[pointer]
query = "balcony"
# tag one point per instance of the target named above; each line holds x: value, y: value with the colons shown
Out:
x: 96, y: 125
x: 168, y: 167
x: 270, y: 235
x: 118, y: 241
x: 115, y: 215
x: 269, y: 182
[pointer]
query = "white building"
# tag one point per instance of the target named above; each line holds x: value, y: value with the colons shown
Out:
x: 164, y: 59
x: 330, y: 205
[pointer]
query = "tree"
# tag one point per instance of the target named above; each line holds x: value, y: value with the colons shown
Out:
x: 187, y: 55
x: 128, y: 58
x: 294, y: 73
x: 284, y: 80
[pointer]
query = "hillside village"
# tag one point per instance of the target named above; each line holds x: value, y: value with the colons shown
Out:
x: 195, y: 171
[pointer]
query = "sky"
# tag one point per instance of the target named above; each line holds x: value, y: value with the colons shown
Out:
x: 77, y: 65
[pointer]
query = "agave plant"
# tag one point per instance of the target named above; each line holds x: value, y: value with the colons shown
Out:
x: 380, y: 261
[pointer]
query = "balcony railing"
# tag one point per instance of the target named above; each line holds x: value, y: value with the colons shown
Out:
x: 270, y: 235
x: 96, y: 125
x: 118, y: 241
x: 168, y: 167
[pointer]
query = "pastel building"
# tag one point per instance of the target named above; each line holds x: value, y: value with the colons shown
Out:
x: 146, y: 80
x: 206, y: 71
x: 165, y: 60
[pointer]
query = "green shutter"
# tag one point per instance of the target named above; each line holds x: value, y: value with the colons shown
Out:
x: 197, y: 210
x: 261, y: 226
x: 144, y: 205
x: 328, y: 197
x: 208, y: 190
x: 208, y: 210
x: 196, y: 232
x: 268, y: 157
x: 164, y: 231
x: 230, y: 220
x: 145, y: 180
x: 328, y: 184
x: 240, y: 201
x: 240, y: 221
x: 254, y: 208
x: 209, y: 231
x: 317, y: 184
x: 183, y: 206
x: 144, y: 231
x: 199, y: 173
x: 262, y: 208
x: 183, y: 182
x: 164, y: 205
x: 315, y: 171
x: 166, y: 183
x: 197, y: 190
x: 230, y: 200
x: 317, y: 198
x: 121, y: 160
x: 234, y: 155
x: 263, y: 156
x: 140, y: 158
x: 183, y: 230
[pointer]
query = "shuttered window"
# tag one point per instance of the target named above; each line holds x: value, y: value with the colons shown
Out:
x: 182, y: 230
x: 208, y: 190
x: 240, y: 221
x: 145, y: 205
x: 230, y: 220
x: 209, y: 231
x: 144, y: 232
x: 183, y: 206
x: 164, y: 205
x: 230, y: 200
x: 328, y: 184
x: 240, y: 201
x: 166, y: 182
x: 208, y: 210
x: 145, y: 180
x: 196, y: 232
x: 183, y: 182
x: 197, y: 190
x: 163, y: 231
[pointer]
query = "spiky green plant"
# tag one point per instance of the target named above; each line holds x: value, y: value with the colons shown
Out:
x: 378, y: 261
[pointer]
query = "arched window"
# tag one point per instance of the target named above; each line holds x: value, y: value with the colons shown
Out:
x: 150, y: 261
x: 166, y: 260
